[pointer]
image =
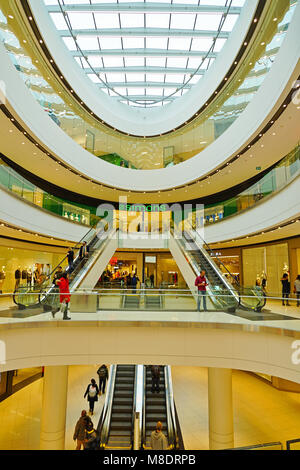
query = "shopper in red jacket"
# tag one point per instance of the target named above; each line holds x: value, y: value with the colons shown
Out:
x: 64, y: 291
x: 201, y: 283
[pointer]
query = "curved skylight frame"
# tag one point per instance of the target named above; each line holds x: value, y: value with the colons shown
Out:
x: 115, y: 61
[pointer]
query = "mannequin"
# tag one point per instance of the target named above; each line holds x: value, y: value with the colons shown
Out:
x: 29, y: 277
x: 2, y: 278
x: 18, y: 275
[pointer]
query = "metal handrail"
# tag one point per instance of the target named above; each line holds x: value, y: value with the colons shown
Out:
x: 196, y: 270
x: 138, y: 400
x: 104, y: 422
x: 144, y: 410
x: 171, y: 418
x: 258, y: 446
x: 291, y: 441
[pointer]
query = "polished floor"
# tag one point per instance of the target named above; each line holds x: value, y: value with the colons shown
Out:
x: 261, y: 413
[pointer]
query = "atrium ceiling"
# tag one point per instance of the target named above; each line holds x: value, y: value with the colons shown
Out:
x: 144, y: 53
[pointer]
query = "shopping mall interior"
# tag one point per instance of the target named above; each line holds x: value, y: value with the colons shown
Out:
x: 149, y: 188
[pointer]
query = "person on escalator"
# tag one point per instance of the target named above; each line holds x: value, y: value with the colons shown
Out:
x: 57, y: 275
x: 158, y: 440
x: 64, y: 298
x: 70, y: 256
x: 155, y: 374
x: 201, y: 283
x: 84, y: 251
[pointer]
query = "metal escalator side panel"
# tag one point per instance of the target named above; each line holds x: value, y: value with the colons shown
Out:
x: 171, y: 415
x: 120, y: 431
x: 105, y: 419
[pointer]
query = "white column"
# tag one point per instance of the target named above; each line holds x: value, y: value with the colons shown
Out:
x: 220, y: 410
x: 54, y: 408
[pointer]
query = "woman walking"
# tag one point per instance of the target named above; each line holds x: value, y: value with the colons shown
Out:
x: 92, y: 392
x: 64, y: 298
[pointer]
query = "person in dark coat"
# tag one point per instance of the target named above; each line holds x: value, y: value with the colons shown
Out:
x: 103, y: 377
x: 70, y: 256
x: 134, y: 282
x: 92, y: 392
x: 155, y: 372
x: 92, y: 440
x: 286, y: 288
x: 84, y: 251
x: 80, y: 429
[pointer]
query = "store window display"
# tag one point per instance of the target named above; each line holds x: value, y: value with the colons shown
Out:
x: 2, y: 278
x: 25, y: 268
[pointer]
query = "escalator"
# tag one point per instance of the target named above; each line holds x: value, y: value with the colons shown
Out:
x: 159, y: 407
x: 116, y: 423
x: 46, y: 295
x: 131, y: 301
x: 153, y: 302
x: 224, y: 291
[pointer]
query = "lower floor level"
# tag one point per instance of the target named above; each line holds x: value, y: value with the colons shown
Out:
x: 262, y: 413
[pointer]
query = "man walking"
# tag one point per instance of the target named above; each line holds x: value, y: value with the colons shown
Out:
x: 103, y: 377
x: 201, y: 283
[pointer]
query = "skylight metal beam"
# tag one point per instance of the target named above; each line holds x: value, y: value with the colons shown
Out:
x: 144, y: 53
x: 144, y: 69
x: 144, y: 85
x: 143, y: 98
x: 140, y: 7
x: 143, y: 32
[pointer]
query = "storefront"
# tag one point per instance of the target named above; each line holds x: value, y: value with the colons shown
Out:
x: 26, y: 265
x: 266, y: 264
x: 13, y: 380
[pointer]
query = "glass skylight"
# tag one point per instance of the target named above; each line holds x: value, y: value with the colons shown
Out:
x: 144, y: 52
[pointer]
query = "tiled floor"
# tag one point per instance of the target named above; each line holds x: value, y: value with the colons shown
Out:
x: 261, y: 413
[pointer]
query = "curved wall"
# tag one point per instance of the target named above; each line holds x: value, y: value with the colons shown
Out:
x: 245, y: 347
x: 268, y: 213
x: 17, y: 212
x: 279, y: 80
x: 139, y: 121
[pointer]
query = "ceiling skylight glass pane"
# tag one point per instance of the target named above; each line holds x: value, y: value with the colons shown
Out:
x: 132, y: 20
x: 107, y: 20
x: 157, y: 21
x: 208, y: 22
x: 110, y: 43
x: 133, y: 43
x: 81, y: 20
x: 145, y: 62
x: 185, y: 21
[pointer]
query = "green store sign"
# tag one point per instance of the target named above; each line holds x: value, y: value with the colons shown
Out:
x: 143, y: 207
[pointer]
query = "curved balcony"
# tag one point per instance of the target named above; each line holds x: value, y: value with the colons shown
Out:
x: 154, y: 152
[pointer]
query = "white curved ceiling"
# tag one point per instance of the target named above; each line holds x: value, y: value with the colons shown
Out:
x: 144, y: 53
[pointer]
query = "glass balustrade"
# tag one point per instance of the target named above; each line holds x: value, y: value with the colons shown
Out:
x: 138, y: 152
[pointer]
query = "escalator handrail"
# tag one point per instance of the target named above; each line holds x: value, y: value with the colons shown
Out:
x: 144, y: 411
x: 40, y: 287
x: 104, y: 241
x: 171, y: 418
x: 138, y: 400
x: 193, y: 234
x: 205, y: 251
x: 214, y: 298
x: 104, y: 423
